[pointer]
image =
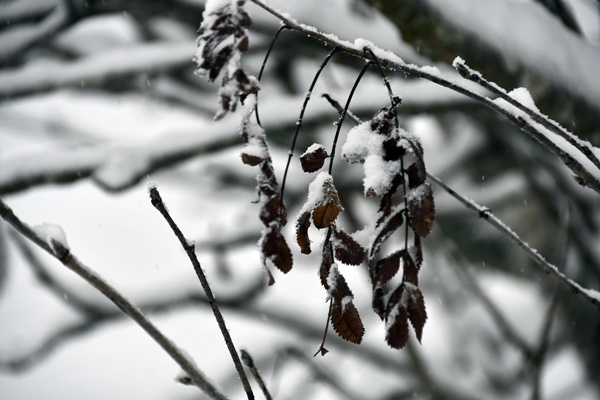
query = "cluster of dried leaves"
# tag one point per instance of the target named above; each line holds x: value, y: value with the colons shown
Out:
x: 323, y: 208
x: 223, y: 38
x: 272, y: 212
x: 397, y: 305
x: 382, y: 146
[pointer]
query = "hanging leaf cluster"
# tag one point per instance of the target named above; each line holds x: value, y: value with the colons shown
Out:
x: 223, y: 38
x: 393, y: 159
x: 272, y: 214
x: 322, y: 208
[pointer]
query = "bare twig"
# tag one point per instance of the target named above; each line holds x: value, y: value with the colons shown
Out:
x: 550, y: 269
x: 391, y: 61
x: 190, y: 250
x: 59, y: 251
x: 247, y: 358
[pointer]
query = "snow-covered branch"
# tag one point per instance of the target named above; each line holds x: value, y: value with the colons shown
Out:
x: 586, y: 176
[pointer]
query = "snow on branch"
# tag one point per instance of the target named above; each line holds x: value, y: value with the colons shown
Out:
x: 44, y: 75
x: 530, y: 109
x: 585, y: 172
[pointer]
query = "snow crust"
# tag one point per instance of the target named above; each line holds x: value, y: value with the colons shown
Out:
x: 51, y: 233
x: 315, y: 191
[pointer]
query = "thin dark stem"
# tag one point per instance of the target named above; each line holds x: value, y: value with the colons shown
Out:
x: 301, y: 117
x: 60, y: 252
x: 190, y: 250
x: 322, y: 348
x: 262, y: 68
x: 405, y: 203
x: 335, y: 104
x: 343, y: 116
x: 247, y: 359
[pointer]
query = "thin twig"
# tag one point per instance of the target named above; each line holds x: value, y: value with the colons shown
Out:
x: 59, y: 251
x: 247, y: 359
x: 190, y: 250
x: 262, y: 68
x: 550, y: 269
x: 391, y: 61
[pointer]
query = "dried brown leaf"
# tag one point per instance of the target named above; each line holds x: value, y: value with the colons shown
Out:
x: 302, y: 225
x: 347, y: 323
x: 421, y: 209
x: 271, y: 211
x: 387, y: 227
x: 251, y: 160
x: 313, y: 161
x: 410, y: 273
x: 378, y: 302
x: 387, y: 268
x: 326, y: 261
x: 416, y: 310
x: 397, y: 327
x: 275, y: 248
x: 347, y: 250
x: 329, y: 208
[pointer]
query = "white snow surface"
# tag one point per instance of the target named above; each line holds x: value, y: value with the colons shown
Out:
x: 51, y: 233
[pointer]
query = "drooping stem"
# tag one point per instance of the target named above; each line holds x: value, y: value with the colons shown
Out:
x: 262, y: 68
x: 343, y: 116
x: 548, y: 268
x: 322, y: 348
x: 301, y: 117
x: 190, y: 250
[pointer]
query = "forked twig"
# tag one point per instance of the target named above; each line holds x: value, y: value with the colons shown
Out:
x: 60, y: 252
x: 247, y: 359
x: 190, y: 250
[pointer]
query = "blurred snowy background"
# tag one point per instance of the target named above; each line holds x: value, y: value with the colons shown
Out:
x: 99, y: 98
